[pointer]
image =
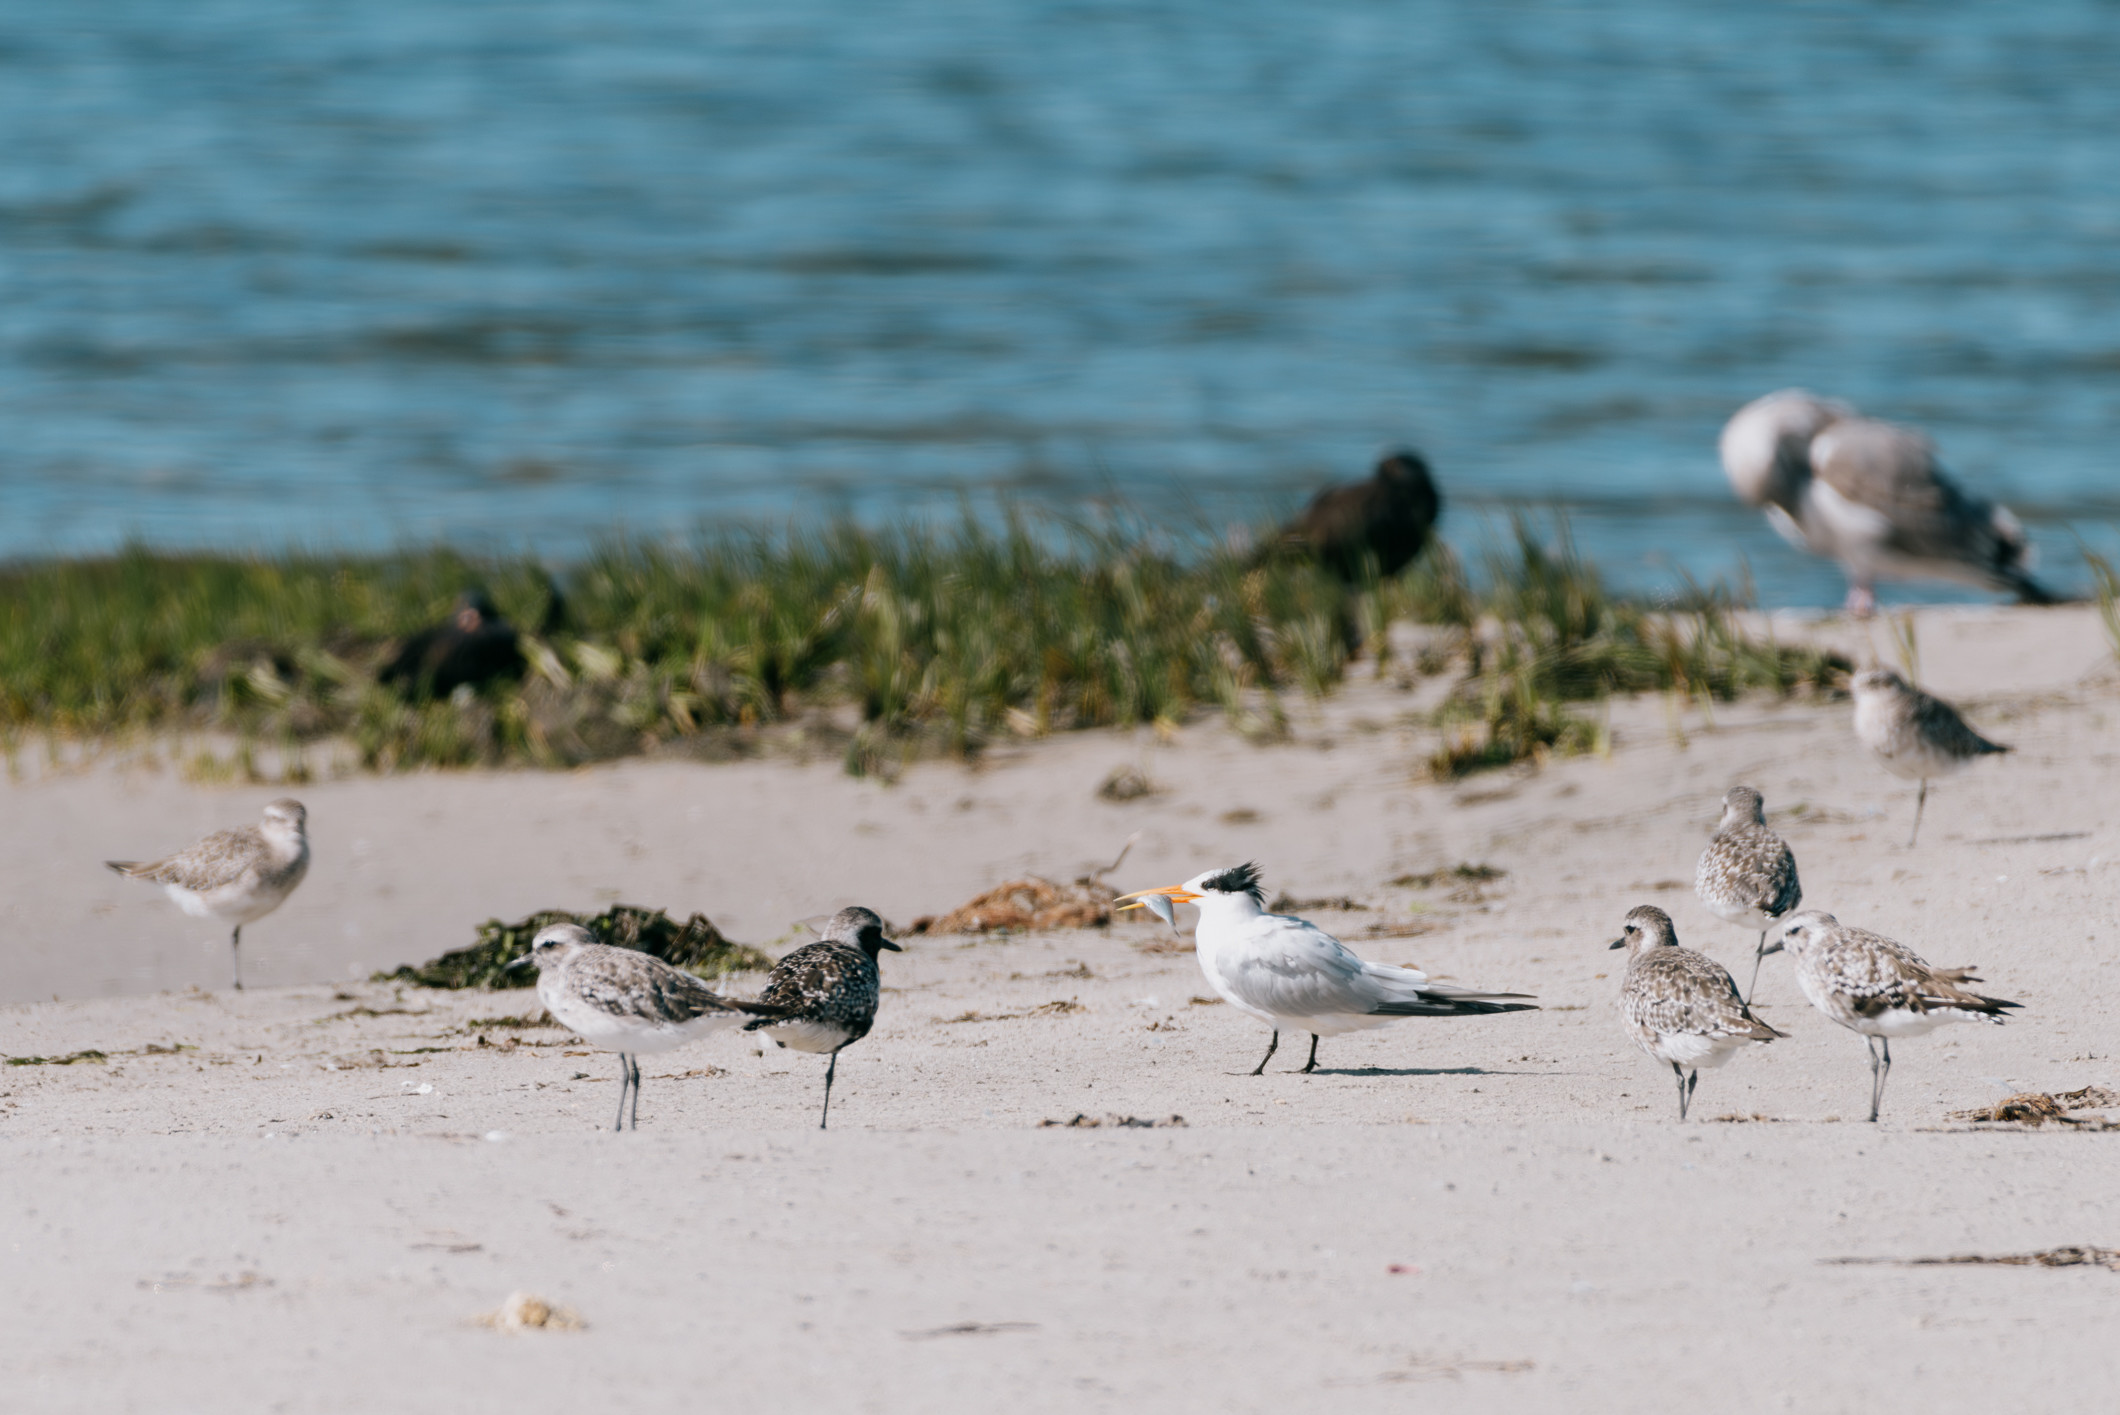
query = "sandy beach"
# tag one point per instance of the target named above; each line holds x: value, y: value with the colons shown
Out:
x: 301, y: 1197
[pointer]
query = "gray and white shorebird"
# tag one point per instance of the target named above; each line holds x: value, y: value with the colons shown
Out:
x: 1912, y: 734
x: 1879, y: 988
x: 1681, y: 1007
x: 1870, y: 495
x: 1292, y: 975
x: 1747, y: 875
x: 235, y: 876
x: 823, y: 996
x: 624, y: 1001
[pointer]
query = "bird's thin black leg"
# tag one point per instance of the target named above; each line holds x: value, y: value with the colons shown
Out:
x: 1883, y: 1073
x: 235, y: 957
x: 1312, y: 1064
x: 1759, y: 956
x: 1261, y: 1067
x: 634, y: 1121
x: 625, y: 1083
x: 829, y: 1072
x: 1680, y: 1072
x: 1921, y: 798
x: 1876, y: 1077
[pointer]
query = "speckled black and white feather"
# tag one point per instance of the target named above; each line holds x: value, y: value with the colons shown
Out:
x: 1911, y: 733
x: 621, y: 999
x: 1878, y: 986
x: 823, y: 996
x: 1747, y: 875
x: 1681, y: 1007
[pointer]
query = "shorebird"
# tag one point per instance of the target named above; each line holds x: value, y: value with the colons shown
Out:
x: 1877, y: 987
x: 1681, y: 1007
x: 623, y: 1000
x: 1870, y: 495
x: 236, y: 876
x: 823, y: 995
x: 1912, y: 734
x: 1291, y: 974
x: 1386, y: 519
x: 1747, y: 875
x: 472, y: 647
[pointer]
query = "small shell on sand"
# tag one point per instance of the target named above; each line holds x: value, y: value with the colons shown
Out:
x: 524, y: 1311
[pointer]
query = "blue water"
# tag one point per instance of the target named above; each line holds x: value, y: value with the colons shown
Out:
x: 278, y: 273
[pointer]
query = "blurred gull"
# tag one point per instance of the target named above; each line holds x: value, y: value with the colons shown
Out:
x: 1870, y: 495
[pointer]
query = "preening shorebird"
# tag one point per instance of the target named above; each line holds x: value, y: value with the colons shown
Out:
x: 1681, y: 1007
x: 625, y: 1001
x: 823, y: 996
x: 1913, y: 735
x: 236, y: 876
x: 1747, y: 875
x: 1292, y: 975
x: 1878, y: 987
x: 1870, y: 495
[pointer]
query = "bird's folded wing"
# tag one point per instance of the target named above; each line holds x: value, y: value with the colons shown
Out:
x: 1892, y: 473
x: 1939, y: 722
x: 219, y: 859
x: 1293, y: 968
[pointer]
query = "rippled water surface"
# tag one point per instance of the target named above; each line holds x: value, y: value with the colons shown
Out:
x: 283, y: 273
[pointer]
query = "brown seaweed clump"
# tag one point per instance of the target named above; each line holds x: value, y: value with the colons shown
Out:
x: 696, y: 946
x: 1026, y: 906
x: 2037, y: 1107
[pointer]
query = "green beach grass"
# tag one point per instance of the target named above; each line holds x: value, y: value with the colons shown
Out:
x: 882, y: 644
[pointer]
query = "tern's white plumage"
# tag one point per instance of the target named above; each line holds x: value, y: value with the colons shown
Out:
x: 1294, y: 976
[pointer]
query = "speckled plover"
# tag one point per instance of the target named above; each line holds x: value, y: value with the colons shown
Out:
x: 235, y: 876
x: 1871, y: 496
x: 1291, y: 974
x: 1877, y: 987
x: 1681, y: 1007
x: 623, y: 1000
x: 1747, y: 875
x: 1913, y: 735
x: 823, y: 996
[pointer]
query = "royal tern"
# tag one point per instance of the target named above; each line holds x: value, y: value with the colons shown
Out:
x: 1913, y: 735
x: 623, y: 1000
x: 1747, y: 875
x: 1681, y: 1007
x: 1291, y: 974
x: 1878, y: 987
x: 236, y: 876
x: 1871, y: 496
x: 822, y: 997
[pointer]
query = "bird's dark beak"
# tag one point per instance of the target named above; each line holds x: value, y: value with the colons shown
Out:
x: 526, y: 958
x: 1617, y: 943
x: 886, y: 943
x: 1774, y: 947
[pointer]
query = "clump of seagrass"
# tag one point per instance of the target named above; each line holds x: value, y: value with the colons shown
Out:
x: 2038, y: 1107
x: 695, y: 946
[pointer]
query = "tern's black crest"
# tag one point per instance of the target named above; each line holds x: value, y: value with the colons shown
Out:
x: 1240, y: 879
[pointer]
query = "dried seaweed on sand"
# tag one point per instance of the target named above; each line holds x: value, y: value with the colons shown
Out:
x: 695, y: 946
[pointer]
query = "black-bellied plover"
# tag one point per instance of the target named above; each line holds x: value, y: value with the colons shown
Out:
x: 1382, y: 522
x: 823, y: 996
x: 1747, y: 875
x: 1681, y: 1007
x: 625, y: 1001
x: 1291, y: 974
x: 1913, y: 735
x: 235, y: 876
x: 474, y: 646
x: 1877, y: 987
x: 1871, y: 496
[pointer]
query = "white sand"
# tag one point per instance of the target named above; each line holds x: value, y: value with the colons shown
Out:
x: 278, y: 1217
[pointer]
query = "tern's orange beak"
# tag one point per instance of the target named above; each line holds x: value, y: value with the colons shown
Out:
x: 1176, y: 893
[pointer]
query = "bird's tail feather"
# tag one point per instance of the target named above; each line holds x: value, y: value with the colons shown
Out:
x: 1435, y: 1006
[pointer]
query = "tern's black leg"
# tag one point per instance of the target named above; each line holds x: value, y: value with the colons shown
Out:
x: 1256, y: 1070
x: 1921, y: 798
x: 235, y: 957
x: 829, y: 1072
x: 1759, y: 956
x: 1312, y: 1064
x: 625, y: 1083
x: 634, y: 1120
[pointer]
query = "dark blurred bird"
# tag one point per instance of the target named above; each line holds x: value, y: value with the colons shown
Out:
x: 822, y: 997
x: 1872, y: 496
x: 474, y: 646
x: 1385, y: 520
